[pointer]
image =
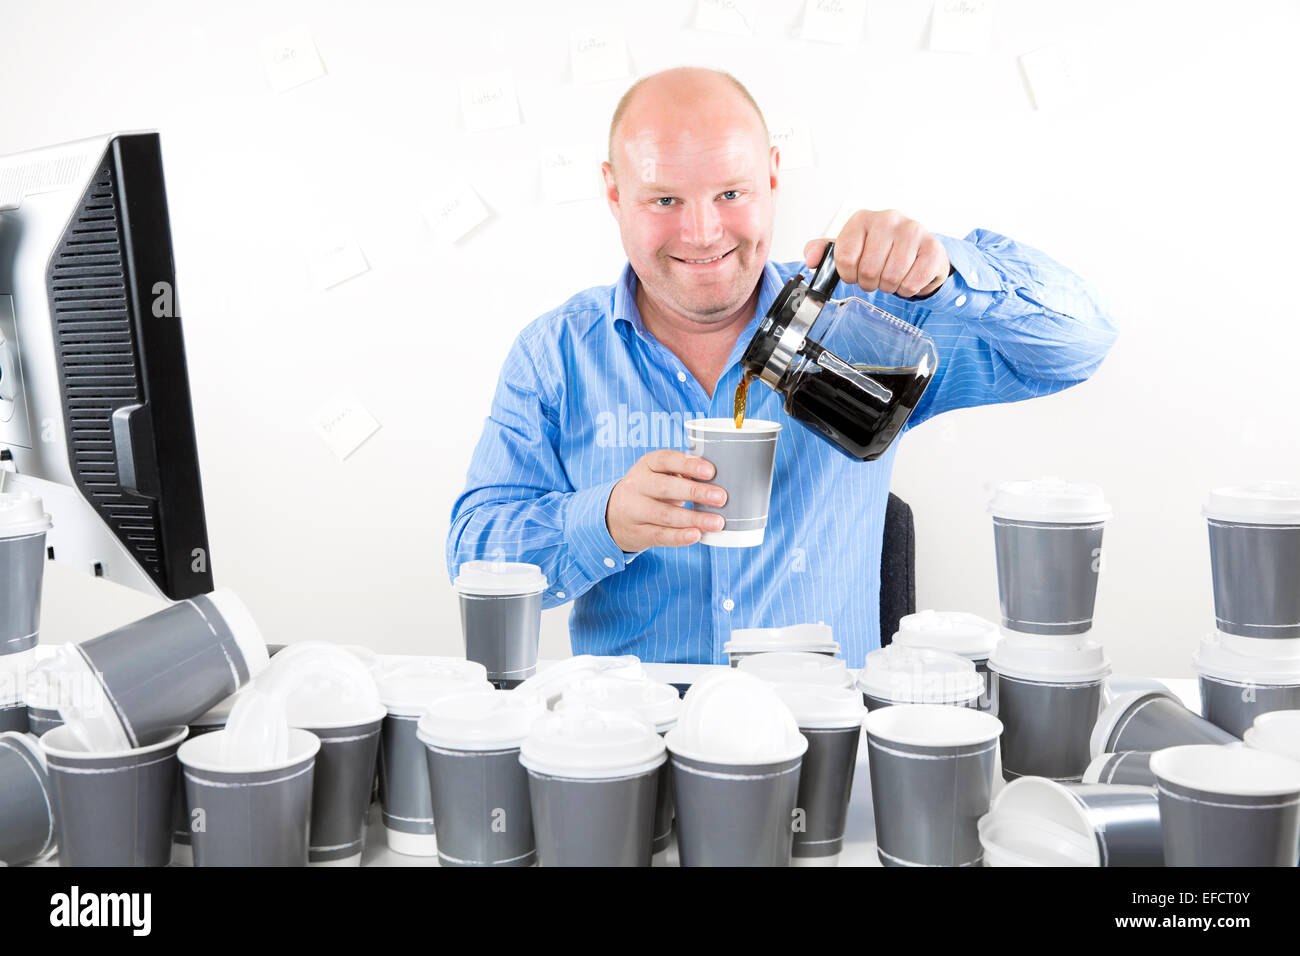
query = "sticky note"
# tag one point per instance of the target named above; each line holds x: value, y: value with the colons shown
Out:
x: 343, y: 424
x: 598, y: 55
x: 571, y: 173
x: 453, y: 211
x: 834, y: 21
x: 962, y: 26
x: 291, y: 59
x: 795, y: 142
x: 337, y: 258
x: 736, y: 17
x: 488, y: 101
x: 1055, y: 76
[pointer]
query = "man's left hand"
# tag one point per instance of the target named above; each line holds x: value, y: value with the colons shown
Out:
x: 888, y: 252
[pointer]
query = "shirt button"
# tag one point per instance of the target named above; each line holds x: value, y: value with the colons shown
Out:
x: 560, y: 595
x: 609, y: 562
x: 681, y: 376
x: 960, y: 301
x: 728, y: 604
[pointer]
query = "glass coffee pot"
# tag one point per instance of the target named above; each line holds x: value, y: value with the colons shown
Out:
x: 848, y: 370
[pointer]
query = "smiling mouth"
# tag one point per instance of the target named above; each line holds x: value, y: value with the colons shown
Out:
x: 704, y: 262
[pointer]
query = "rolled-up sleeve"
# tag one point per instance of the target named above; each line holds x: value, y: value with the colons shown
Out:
x: 1010, y: 323
x: 518, y: 504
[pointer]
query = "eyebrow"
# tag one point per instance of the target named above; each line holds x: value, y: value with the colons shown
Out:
x: 658, y: 188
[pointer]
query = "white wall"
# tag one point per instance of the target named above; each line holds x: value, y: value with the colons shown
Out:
x: 1169, y: 185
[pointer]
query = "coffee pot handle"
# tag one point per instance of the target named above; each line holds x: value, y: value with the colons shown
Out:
x: 826, y: 278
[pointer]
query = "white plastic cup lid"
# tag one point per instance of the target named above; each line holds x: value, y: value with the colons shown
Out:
x: 1247, y: 660
x: 1230, y: 770
x: 1067, y: 659
x: 1260, y: 502
x: 956, y: 632
x: 1036, y: 822
x: 493, y: 720
x: 549, y: 681
x: 659, y: 704
x: 22, y: 513
x: 735, y: 718
x: 499, y: 578
x: 919, y: 675
x: 589, y: 744
x: 1277, y: 731
x: 823, y: 707
x: 797, y: 667
x: 407, y: 687
x: 1050, y: 500
x: 794, y: 637
x: 321, y: 686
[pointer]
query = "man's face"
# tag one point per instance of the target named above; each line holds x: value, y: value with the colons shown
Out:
x: 695, y: 213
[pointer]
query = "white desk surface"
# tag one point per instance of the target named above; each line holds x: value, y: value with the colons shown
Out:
x: 859, y: 836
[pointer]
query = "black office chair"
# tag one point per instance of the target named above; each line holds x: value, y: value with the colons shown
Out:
x: 897, y: 567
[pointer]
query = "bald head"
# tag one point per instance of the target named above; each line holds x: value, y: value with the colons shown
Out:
x: 683, y: 101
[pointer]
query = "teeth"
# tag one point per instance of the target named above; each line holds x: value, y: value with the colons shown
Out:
x: 700, y: 262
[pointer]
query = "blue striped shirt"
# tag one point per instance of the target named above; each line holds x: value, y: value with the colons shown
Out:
x: 586, y: 391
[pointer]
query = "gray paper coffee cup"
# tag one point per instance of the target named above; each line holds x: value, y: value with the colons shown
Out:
x: 1046, y: 726
x: 1233, y: 706
x: 345, y: 771
x: 502, y: 634
x: 13, y: 717
x: 406, y: 806
x: 597, y: 822
x: 734, y: 814
x: 22, y: 570
x: 1151, y: 721
x: 1039, y: 822
x: 249, y: 816
x: 1254, y: 568
x: 40, y: 720
x: 931, y: 779
x: 825, y: 786
x: 1228, y: 806
x: 481, y: 808
x: 174, y: 665
x: 501, y: 617
x: 1131, y: 767
x: 27, y: 830
x: 1047, y: 575
x: 743, y: 459
x: 113, y: 809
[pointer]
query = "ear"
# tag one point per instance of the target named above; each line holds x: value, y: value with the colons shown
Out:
x: 611, y: 188
x: 774, y: 166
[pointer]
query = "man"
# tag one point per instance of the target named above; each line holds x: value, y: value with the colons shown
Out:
x: 580, y: 468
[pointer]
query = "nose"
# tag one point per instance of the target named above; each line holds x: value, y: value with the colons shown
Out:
x: 701, y: 225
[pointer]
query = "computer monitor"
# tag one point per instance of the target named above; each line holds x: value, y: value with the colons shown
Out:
x: 95, y: 413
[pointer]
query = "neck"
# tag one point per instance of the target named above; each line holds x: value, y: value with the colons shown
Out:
x: 703, y: 348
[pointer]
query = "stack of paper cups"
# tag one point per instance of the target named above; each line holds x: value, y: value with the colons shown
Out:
x: 1046, y: 677
x: 1250, y: 665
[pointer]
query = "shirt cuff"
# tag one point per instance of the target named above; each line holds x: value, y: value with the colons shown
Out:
x: 971, y: 288
x: 593, y: 550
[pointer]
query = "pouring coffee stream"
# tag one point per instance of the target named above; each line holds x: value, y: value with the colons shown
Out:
x: 849, y: 370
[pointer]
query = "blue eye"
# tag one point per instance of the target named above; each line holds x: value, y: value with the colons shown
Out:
x: 664, y: 200
x: 731, y: 194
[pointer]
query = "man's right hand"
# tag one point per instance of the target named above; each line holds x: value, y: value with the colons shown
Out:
x: 645, y: 508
